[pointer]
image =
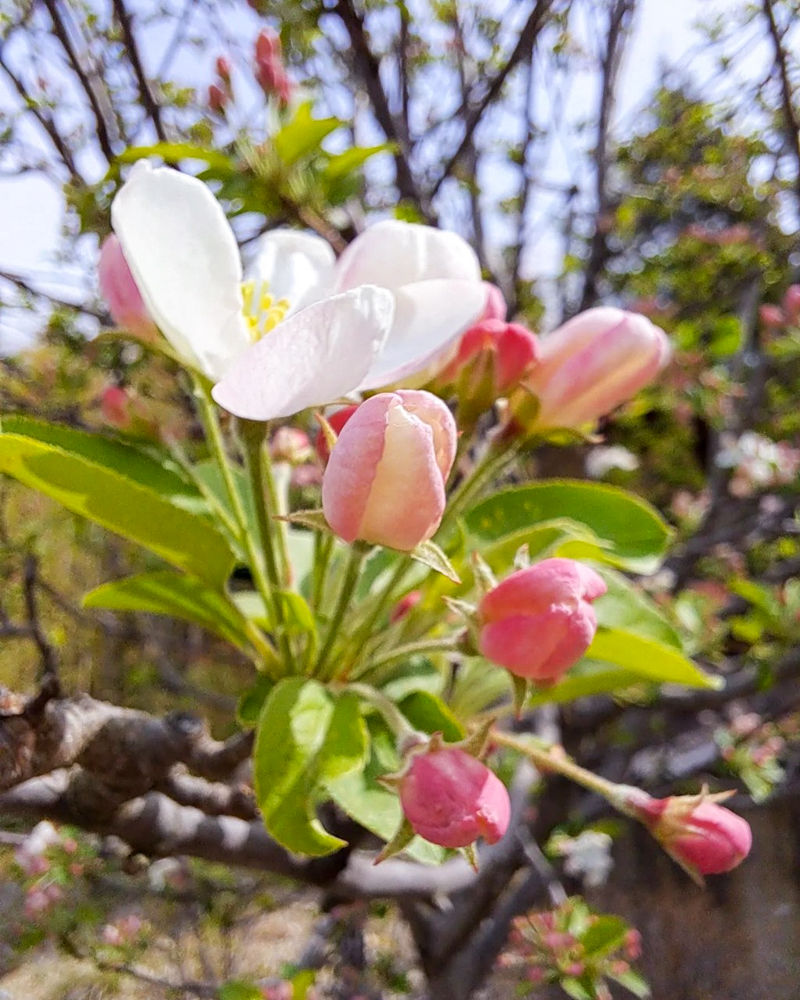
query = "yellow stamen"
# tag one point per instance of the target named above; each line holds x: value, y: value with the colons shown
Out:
x: 262, y: 311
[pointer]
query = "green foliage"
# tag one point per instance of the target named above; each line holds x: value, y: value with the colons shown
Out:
x: 120, y: 488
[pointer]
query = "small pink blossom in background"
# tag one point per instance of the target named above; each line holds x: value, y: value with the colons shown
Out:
x: 791, y: 303
x: 452, y: 799
x: 223, y: 67
x: 291, y: 445
x: 758, y: 462
x: 119, y: 289
x: 539, y: 621
x: 593, y: 363
x: 772, y: 317
x: 278, y: 991
x: 30, y: 856
x: 115, y: 404
x: 385, y: 479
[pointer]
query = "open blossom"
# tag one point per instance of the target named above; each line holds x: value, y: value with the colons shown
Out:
x: 539, y: 621
x: 304, y: 329
x: 593, y: 363
x: 385, y: 478
x: 702, y: 835
x: 452, y: 799
x: 120, y: 291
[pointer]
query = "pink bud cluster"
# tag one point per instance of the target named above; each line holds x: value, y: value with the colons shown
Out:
x: 539, y: 621
x: 124, y: 931
x: 221, y: 91
x: 270, y: 70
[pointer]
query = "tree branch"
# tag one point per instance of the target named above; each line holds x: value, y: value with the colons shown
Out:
x: 149, y: 102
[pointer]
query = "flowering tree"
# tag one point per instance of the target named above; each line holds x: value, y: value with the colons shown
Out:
x: 408, y: 615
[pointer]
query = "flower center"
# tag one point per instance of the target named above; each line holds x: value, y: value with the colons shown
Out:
x: 262, y: 311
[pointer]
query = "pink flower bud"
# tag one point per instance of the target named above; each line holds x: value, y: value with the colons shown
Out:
x: 385, y: 478
x: 593, y: 363
x: 36, y: 903
x: 217, y: 98
x: 270, y: 71
x: 119, y: 289
x: 496, y: 307
x: 337, y: 421
x: 404, y: 605
x: 508, y: 347
x: 538, y: 622
x: 791, y: 303
x: 268, y: 45
x: 224, y: 69
x: 705, y: 837
x: 451, y: 799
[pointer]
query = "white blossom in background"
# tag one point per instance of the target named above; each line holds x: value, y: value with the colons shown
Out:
x: 601, y: 460
x: 303, y: 329
x: 587, y: 857
x: 759, y: 462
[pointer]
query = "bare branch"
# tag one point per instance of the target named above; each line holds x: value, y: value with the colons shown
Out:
x: 149, y: 102
x: 791, y: 123
x: 525, y: 43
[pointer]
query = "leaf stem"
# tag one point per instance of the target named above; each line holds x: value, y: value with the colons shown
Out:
x: 352, y: 572
x: 394, y: 718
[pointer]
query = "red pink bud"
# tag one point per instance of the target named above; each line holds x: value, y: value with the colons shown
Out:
x: 539, y: 621
x: 217, y: 98
x: 496, y: 307
x: 703, y: 836
x: 791, y: 303
x: 404, y: 605
x: 224, y: 69
x: 509, y: 347
x: 593, y: 363
x: 119, y: 289
x: 772, y: 317
x: 337, y: 421
x: 452, y: 799
x: 270, y: 71
x: 385, y: 479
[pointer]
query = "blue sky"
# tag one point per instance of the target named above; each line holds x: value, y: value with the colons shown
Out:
x: 31, y: 208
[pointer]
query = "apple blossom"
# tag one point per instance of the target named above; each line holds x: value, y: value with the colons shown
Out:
x: 539, y: 621
x: 594, y: 362
x: 450, y: 798
x: 305, y: 329
x: 385, y: 478
x: 494, y: 351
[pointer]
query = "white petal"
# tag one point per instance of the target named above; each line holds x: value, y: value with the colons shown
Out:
x: 313, y: 358
x: 393, y: 253
x: 184, y: 258
x: 429, y: 316
x: 296, y: 266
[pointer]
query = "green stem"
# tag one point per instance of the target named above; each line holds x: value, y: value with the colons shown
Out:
x: 213, y: 432
x: 490, y: 465
x: 285, y: 565
x: 548, y: 757
x: 323, y: 550
x: 363, y: 633
x: 352, y: 571
x: 443, y: 645
x: 394, y: 718
x: 252, y: 435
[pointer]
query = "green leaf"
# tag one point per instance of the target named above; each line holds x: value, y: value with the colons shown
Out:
x: 240, y: 990
x: 586, y: 678
x: 631, y: 532
x: 574, y: 988
x: 297, y: 615
x: 605, y: 935
x: 313, y: 519
x: 648, y: 659
x: 167, y: 593
x: 116, y: 486
x: 341, y: 164
x: 303, y: 134
x: 304, y: 740
x: 634, y: 982
x: 429, y: 713
x: 429, y: 554
x: 176, y: 152
x: 624, y: 607
x: 252, y: 701
x: 371, y: 804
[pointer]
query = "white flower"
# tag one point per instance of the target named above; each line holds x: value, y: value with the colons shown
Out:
x: 603, y: 459
x: 304, y: 329
x: 588, y: 856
